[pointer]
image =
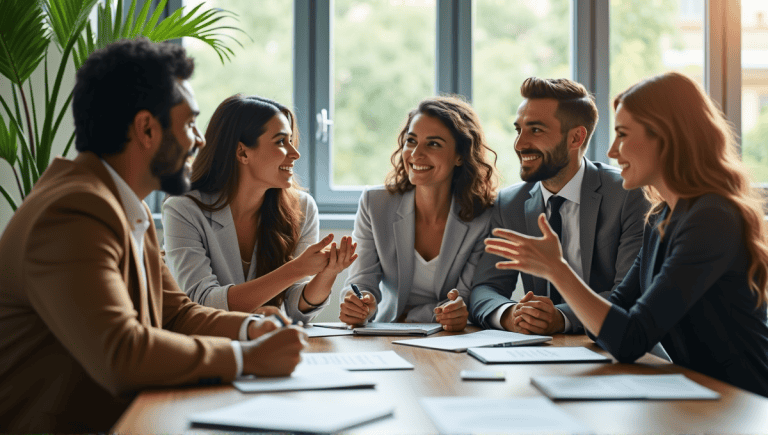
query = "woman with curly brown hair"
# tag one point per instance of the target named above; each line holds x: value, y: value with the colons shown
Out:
x: 420, y: 236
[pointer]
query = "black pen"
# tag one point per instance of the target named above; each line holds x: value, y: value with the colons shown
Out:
x: 357, y: 291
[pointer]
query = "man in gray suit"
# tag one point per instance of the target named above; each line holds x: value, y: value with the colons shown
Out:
x: 600, y: 224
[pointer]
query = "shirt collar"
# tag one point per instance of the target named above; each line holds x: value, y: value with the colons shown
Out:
x: 135, y: 211
x: 571, y: 191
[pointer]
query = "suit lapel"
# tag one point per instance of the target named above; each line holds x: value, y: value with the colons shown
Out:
x: 141, y: 296
x: 453, y: 238
x: 588, y: 211
x: 226, y: 237
x: 152, y: 265
x: 534, y: 206
x: 404, y: 229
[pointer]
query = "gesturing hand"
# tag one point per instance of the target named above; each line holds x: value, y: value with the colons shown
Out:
x: 355, y: 311
x: 314, y: 259
x: 341, y: 258
x: 453, y: 315
x: 533, y: 255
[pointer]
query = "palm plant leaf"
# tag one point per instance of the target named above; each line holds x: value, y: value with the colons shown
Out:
x: 8, y: 146
x: 23, y: 39
x: 65, y: 17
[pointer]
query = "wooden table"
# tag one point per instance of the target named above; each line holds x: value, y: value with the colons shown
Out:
x: 436, y: 373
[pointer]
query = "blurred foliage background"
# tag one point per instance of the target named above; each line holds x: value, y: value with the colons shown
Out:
x: 384, y: 64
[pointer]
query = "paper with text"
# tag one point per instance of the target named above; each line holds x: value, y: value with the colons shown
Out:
x: 619, y: 387
x: 538, y: 354
x: 486, y: 338
x: 383, y: 360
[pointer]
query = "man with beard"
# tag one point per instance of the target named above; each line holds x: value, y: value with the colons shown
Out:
x: 600, y: 224
x: 89, y: 313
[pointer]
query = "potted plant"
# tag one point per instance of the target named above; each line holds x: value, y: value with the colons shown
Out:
x: 30, y: 28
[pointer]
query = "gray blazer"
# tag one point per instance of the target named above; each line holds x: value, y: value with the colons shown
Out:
x: 611, y: 234
x: 202, y: 253
x: 385, y: 234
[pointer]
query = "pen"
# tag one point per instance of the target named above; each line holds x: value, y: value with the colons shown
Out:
x: 357, y: 291
x: 282, y: 322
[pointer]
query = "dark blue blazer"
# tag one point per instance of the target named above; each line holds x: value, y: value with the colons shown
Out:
x: 690, y: 292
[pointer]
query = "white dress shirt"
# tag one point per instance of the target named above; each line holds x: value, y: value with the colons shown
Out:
x: 138, y: 218
x: 571, y: 240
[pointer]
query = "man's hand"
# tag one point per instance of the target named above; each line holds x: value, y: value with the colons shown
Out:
x: 537, y: 315
x: 356, y: 311
x: 453, y: 315
x: 259, y: 327
x: 275, y: 353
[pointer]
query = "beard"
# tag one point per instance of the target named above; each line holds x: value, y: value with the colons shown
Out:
x: 551, y: 162
x: 163, y: 166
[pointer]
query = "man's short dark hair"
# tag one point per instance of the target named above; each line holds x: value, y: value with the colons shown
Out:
x: 575, y: 105
x: 117, y: 82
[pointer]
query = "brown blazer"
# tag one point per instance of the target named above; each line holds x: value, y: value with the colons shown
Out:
x: 80, y: 333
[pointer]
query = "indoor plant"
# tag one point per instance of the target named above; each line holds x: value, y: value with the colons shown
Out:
x: 30, y: 28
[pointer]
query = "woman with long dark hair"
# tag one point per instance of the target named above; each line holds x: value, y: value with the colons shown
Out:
x: 421, y: 234
x: 245, y: 237
x: 698, y: 285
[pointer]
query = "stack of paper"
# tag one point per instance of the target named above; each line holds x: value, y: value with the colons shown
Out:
x: 486, y: 338
x: 305, y: 378
x: 531, y: 415
x: 621, y: 387
x: 290, y: 415
x: 522, y: 355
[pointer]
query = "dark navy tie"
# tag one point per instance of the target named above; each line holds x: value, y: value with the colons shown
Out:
x: 556, y: 222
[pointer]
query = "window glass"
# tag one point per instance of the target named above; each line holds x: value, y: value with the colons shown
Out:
x: 754, y: 87
x: 383, y: 65
x: 263, y: 66
x: 514, y: 40
x: 651, y: 37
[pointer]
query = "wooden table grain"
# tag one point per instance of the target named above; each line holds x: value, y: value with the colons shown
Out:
x: 436, y: 373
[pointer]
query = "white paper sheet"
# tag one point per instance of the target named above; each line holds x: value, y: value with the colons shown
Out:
x: 538, y: 354
x: 486, y: 338
x: 383, y: 360
x: 305, y: 378
x: 292, y: 415
x: 619, y: 387
x: 471, y: 415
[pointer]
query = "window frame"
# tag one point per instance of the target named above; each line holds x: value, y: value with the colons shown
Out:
x: 312, y: 74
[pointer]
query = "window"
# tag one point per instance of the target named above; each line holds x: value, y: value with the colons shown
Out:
x: 754, y: 87
x: 514, y: 40
x: 366, y: 63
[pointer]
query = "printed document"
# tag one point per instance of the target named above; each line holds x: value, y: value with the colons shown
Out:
x: 486, y: 338
x: 527, y: 415
x: 383, y: 360
x: 620, y: 387
x: 305, y: 378
x: 284, y: 414
x: 537, y: 354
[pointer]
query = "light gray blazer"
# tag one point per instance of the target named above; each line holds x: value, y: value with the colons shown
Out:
x: 202, y: 253
x: 611, y: 222
x: 385, y: 235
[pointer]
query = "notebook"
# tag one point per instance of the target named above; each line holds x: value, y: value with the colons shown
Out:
x: 486, y: 338
x: 539, y: 354
x: 376, y: 328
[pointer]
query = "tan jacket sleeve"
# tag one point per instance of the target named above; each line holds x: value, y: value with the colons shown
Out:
x: 83, y: 284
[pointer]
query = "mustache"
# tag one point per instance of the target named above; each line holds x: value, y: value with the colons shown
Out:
x: 529, y: 152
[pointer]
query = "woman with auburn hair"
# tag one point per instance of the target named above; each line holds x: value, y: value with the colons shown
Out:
x: 245, y: 237
x: 420, y: 236
x: 698, y: 285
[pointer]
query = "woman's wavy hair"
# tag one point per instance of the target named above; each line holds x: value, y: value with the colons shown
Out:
x: 215, y: 171
x: 698, y: 155
x: 474, y: 183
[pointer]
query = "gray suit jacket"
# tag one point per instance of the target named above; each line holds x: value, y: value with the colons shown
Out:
x: 202, y: 252
x: 385, y: 234
x: 611, y: 236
